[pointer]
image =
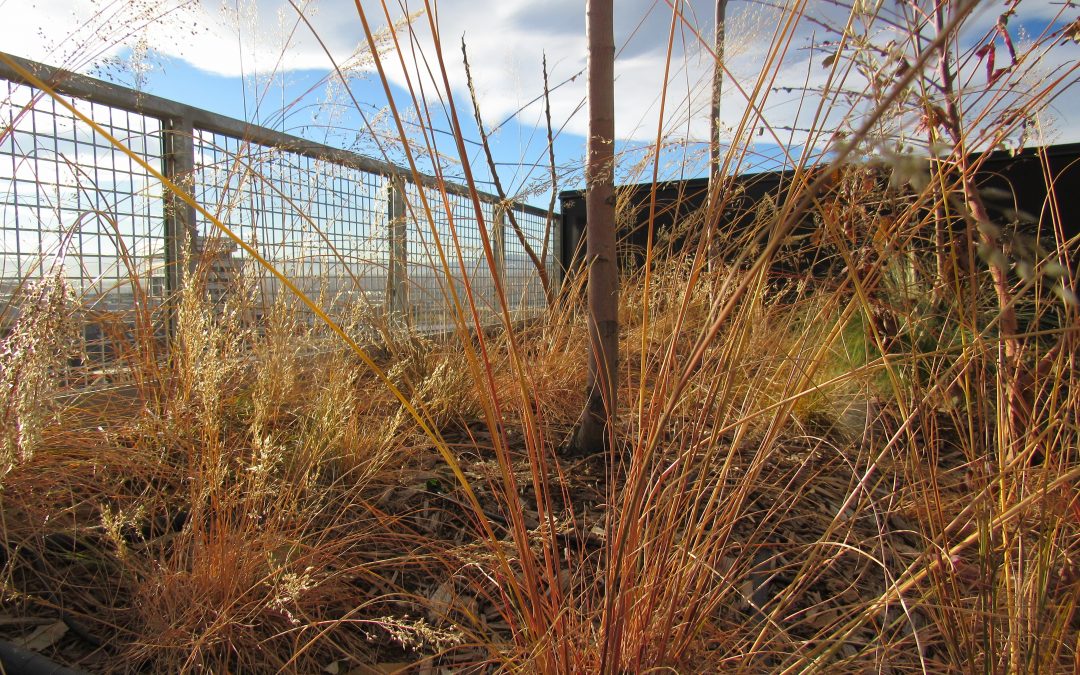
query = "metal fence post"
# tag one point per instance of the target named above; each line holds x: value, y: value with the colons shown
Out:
x: 179, y: 153
x: 498, y: 241
x: 219, y: 136
x: 558, y: 271
x: 397, y: 297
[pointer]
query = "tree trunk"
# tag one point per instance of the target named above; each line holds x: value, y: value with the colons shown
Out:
x: 717, y: 87
x: 712, y: 213
x: 595, y: 426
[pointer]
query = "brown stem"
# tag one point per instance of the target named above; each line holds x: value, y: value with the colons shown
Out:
x: 551, y: 163
x: 538, y: 263
x: 1012, y: 373
x: 717, y: 87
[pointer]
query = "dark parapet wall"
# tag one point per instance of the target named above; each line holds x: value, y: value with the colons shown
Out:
x: 679, y: 206
x: 1017, y: 189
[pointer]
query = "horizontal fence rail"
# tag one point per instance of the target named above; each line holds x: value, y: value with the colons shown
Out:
x: 349, y: 230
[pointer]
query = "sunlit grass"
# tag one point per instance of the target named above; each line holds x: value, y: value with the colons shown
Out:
x: 824, y: 475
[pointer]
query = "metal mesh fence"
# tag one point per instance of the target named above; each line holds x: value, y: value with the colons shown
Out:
x: 447, y: 221
x: 322, y: 224
x: 326, y: 218
x: 70, y: 199
x: 524, y: 291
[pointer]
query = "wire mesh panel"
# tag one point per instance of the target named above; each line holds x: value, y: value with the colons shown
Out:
x: 457, y: 233
x: 524, y: 291
x: 71, y: 201
x: 320, y: 223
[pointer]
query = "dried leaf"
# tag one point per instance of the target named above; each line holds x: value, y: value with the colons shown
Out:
x: 1072, y: 31
x: 992, y: 256
x: 1003, y: 31
x: 441, y: 600
x: 996, y: 194
x: 1067, y: 295
x: 43, y: 637
x: 382, y: 669
x: 1054, y: 269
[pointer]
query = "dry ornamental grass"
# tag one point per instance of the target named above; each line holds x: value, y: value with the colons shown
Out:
x: 873, y: 472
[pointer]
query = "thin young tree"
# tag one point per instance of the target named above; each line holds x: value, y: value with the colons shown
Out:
x: 714, y: 118
x: 717, y: 87
x: 595, y: 426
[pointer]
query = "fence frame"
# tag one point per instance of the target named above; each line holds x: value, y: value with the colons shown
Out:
x: 180, y: 123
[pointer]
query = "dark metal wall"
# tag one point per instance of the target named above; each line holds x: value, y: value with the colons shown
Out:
x: 1020, y: 178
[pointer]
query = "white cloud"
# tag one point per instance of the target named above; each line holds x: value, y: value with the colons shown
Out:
x: 506, y: 42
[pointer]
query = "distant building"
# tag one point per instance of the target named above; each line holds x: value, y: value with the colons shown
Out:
x: 220, y: 269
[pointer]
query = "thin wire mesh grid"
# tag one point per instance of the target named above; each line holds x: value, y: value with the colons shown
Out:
x: 524, y: 290
x: 457, y: 232
x: 324, y: 225
x: 70, y: 198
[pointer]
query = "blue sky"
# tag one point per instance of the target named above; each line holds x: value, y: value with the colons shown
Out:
x: 287, y: 103
x: 215, y: 54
